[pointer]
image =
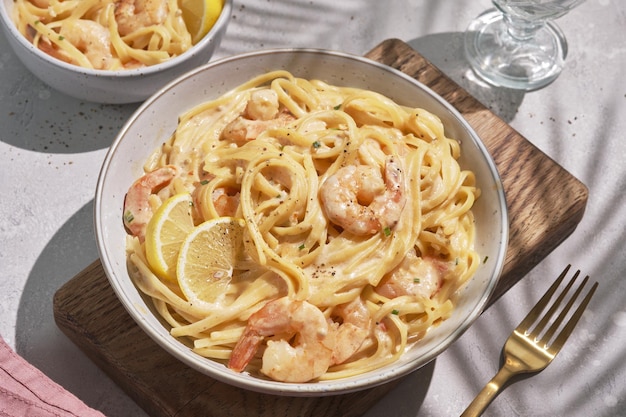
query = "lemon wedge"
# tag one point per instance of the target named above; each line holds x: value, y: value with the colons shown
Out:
x: 200, y: 16
x: 207, y: 259
x: 165, y: 233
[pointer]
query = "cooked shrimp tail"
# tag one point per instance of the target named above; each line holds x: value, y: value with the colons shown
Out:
x: 245, y: 350
x: 355, y: 327
x: 137, y: 210
x: 308, y: 358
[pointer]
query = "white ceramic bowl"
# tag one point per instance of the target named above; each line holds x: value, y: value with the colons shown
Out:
x: 111, y: 87
x: 155, y: 120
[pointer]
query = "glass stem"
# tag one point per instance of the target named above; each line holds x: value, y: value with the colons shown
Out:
x: 521, y: 29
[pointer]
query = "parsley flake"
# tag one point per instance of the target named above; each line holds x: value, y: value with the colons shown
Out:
x: 128, y: 216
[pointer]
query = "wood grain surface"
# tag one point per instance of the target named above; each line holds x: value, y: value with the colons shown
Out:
x: 545, y: 205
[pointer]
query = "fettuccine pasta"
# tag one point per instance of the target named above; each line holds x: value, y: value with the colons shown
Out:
x: 358, y: 226
x: 104, y: 34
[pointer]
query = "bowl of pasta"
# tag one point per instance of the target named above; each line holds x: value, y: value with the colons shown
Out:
x: 306, y: 222
x: 113, y: 51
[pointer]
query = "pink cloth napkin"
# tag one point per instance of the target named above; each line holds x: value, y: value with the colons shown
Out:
x: 26, y: 391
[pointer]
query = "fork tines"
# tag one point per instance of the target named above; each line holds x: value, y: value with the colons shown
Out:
x: 536, y: 332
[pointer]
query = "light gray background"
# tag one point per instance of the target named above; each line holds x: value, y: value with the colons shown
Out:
x: 51, y: 148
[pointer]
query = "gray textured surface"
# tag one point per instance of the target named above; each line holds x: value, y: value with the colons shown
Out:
x: 51, y: 148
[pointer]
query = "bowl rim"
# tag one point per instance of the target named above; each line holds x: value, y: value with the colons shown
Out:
x: 330, y: 387
x: 220, y: 23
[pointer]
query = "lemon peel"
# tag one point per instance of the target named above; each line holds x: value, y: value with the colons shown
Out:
x: 200, y: 16
x: 165, y: 232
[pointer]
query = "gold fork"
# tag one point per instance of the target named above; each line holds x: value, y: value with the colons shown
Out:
x: 531, y: 350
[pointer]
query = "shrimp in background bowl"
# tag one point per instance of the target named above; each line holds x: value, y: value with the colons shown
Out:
x: 105, y: 34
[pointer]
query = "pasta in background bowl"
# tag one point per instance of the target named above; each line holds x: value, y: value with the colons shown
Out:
x: 153, y: 124
x: 117, y: 85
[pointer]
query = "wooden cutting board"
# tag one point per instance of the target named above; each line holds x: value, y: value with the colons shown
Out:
x: 545, y: 205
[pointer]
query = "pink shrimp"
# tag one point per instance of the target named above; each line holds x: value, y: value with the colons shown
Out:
x: 89, y: 37
x: 132, y: 15
x: 357, y: 199
x: 308, y: 358
x: 261, y: 113
x: 226, y: 202
x: 414, y: 276
x: 137, y: 210
x: 354, y: 328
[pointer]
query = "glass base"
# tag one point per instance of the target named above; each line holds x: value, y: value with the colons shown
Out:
x: 504, y: 61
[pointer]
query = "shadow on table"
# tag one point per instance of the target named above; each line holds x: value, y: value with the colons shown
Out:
x: 55, y: 123
x: 42, y: 119
x: 445, y: 51
x: 40, y: 341
x: 407, y: 397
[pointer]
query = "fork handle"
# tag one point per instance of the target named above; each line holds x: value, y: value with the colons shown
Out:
x: 488, y: 393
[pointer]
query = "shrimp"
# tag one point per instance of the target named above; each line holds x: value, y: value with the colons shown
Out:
x: 225, y: 201
x: 225, y: 204
x: 263, y: 105
x: 137, y: 210
x: 261, y: 113
x: 414, y: 276
x: 90, y: 38
x: 357, y: 199
x: 308, y: 358
x: 132, y: 15
x: 353, y: 330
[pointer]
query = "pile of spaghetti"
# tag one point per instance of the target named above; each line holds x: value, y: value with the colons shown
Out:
x: 357, y: 226
x: 105, y: 34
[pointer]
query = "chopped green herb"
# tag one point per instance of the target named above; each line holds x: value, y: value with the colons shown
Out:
x: 485, y: 260
x: 61, y: 38
x: 128, y: 216
x: 416, y: 280
x: 387, y: 231
x: 317, y: 144
x: 395, y: 312
x: 337, y: 107
x: 204, y: 182
x: 301, y: 246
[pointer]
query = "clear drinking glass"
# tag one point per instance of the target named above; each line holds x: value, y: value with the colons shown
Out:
x: 517, y: 45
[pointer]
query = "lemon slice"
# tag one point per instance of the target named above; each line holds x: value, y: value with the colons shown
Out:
x: 207, y: 259
x: 166, y: 231
x: 200, y: 16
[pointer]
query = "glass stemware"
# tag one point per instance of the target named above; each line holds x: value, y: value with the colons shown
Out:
x: 517, y: 45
